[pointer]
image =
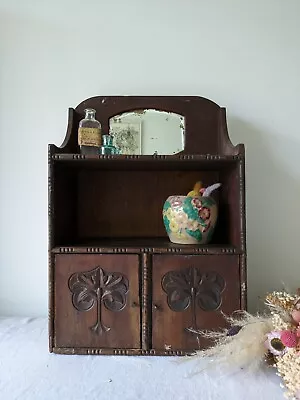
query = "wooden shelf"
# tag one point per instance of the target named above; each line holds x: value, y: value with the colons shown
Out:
x: 142, y: 245
x: 185, y: 161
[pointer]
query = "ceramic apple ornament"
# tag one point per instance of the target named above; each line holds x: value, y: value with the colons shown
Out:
x: 191, y: 219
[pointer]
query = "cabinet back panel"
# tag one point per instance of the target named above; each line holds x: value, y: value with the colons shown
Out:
x: 129, y: 203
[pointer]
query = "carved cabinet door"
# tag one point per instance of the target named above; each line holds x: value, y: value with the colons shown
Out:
x: 189, y: 293
x: 97, y: 301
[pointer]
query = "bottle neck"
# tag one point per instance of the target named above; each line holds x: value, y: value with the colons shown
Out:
x: 107, y: 140
x: 90, y: 114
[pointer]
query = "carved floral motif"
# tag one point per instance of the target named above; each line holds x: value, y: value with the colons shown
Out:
x: 191, y: 287
x: 100, y: 288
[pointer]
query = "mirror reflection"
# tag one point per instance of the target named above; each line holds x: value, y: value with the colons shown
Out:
x: 148, y: 132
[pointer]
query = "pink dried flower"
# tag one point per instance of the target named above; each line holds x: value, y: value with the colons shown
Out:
x: 289, y: 338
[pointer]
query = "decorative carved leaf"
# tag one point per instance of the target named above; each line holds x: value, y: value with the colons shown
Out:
x: 176, y: 286
x: 191, y: 287
x: 84, y: 288
x: 97, y: 287
x: 114, y: 301
x: 209, y: 301
x: 209, y: 291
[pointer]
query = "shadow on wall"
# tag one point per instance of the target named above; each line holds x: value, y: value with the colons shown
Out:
x: 272, y: 209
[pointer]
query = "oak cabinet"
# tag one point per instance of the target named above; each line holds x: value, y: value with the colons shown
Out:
x: 117, y: 285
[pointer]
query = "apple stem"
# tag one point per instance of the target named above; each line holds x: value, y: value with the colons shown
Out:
x: 207, y: 192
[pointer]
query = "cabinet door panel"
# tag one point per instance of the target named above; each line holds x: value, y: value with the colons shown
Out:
x: 189, y: 293
x: 97, y: 301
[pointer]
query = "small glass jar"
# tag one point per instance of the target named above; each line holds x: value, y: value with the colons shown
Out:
x: 107, y: 146
x: 89, y: 133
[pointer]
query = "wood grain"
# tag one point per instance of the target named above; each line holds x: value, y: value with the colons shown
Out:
x: 169, y: 327
x: 72, y: 327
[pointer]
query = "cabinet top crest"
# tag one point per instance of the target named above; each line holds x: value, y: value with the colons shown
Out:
x: 205, y: 130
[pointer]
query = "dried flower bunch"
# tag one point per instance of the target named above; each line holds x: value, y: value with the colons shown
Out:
x: 272, y: 339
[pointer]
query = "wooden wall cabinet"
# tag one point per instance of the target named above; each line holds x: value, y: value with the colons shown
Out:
x: 117, y: 285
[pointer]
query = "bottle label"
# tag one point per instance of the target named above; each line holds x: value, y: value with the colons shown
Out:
x: 89, y: 137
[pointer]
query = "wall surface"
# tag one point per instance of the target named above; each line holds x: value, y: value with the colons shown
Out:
x: 244, y: 55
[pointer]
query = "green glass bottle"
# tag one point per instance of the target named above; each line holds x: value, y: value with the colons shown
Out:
x: 107, y: 145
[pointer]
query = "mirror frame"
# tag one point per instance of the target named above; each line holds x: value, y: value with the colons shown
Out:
x: 205, y: 121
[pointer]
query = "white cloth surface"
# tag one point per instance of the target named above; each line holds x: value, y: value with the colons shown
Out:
x: 29, y: 372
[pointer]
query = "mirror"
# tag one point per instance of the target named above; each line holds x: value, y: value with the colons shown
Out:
x: 148, y: 132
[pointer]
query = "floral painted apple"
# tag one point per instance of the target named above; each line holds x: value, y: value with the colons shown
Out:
x: 191, y: 219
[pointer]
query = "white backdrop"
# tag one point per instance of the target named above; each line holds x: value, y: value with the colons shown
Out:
x: 243, y: 55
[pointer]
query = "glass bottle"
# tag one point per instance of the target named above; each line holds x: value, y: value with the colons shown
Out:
x: 108, y: 147
x: 89, y: 133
